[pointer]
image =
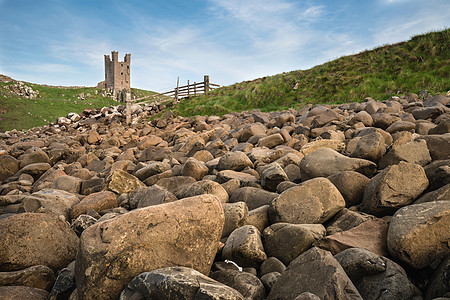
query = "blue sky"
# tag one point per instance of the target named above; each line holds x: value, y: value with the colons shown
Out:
x: 63, y: 42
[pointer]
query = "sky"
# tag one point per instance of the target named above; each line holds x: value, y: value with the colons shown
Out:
x: 63, y: 42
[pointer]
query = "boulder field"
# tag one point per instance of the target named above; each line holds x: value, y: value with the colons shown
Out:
x: 347, y: 201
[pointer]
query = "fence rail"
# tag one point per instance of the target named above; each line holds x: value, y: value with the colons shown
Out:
x: 180, y: 92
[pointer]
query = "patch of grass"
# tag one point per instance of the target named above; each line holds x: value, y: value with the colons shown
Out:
x: 21, y: 113
x: 422, y: 63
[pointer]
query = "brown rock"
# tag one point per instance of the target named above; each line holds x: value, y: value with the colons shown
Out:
x: 325, y: 162
x: 253, y: 197
x: 313, y: 201
x: 370, y: 235
x: 413, y: 152
x: 96, y: 201
x: 351, y: 185
x: 22, y: 293
x: 394, y: 187
x: 287, y: 241
x: 40, y: 277
x: 244, y: 247
x: 31, y: 239
x: 315, y: 271
x: 121, y: 182
x: 181, y: 233
x: 418, y: 234
x: 194, y: 168
x: 8, y: 166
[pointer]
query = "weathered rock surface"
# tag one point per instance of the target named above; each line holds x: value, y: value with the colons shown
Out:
x: 259, y: 165
x: 376, y: 277
x: 40, y: 277
x: 314, y: 201
x: 248, y: 285
x: 244, y: 247
x: 393, y: 188
x: 177, y: 283
x: 325, y: 162
x: 286, y: 241
x: 315, y: 271
x: 370, y: 235
x: 96, y: 201
x: 31, y: 239
x: 418, y: 234
x: 184, y: 232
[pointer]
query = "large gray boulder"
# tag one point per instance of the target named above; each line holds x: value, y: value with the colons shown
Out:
x: 181, y: 233
x: 394, y: 187
x: 177, y: 283
x: 325, y: 162
x: 272, y: 175
x: 248, y: 285
x: 419, y: 233
x: 244, y: 247
x: 315, y: 271
x: 287, y: 241
x: 313, y: 201
x: 376, y: 277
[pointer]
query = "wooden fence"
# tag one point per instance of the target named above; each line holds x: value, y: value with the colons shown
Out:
x: 180, y: 92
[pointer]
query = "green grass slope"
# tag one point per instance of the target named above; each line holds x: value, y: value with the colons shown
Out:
x: 18, y: 112
x: 422, y: 63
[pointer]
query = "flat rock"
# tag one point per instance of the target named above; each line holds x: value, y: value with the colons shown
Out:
x: 370, y: 235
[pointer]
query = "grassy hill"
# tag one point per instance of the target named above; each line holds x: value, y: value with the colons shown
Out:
x: 19, y: 112
x: 422, y: 63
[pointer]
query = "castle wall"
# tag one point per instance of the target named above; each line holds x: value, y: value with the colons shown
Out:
x: 117, y: 73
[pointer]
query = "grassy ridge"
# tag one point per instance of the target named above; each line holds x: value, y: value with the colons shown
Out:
x: 21, y: 113
x: 422, y: 63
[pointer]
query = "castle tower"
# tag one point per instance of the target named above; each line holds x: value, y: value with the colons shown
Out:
x: 117, y: 73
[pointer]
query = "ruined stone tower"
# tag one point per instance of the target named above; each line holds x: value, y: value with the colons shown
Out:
x: 117, y: 73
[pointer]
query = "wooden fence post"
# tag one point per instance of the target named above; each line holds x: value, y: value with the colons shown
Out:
x: 206, y: 84
x: 177, y: 90
x: 128, y: 107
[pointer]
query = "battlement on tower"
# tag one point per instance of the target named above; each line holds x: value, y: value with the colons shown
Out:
x: 117, y: 73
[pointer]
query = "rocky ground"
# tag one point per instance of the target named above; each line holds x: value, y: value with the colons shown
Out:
x: 328, y: 202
